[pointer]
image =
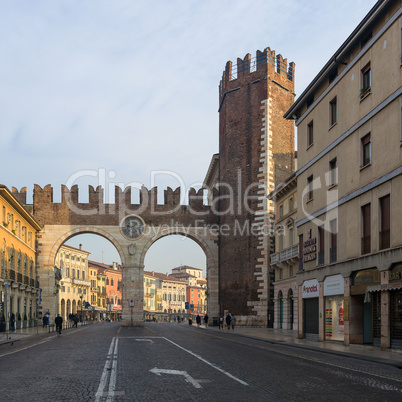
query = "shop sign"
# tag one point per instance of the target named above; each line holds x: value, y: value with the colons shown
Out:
x: 395, y: 276
x: 391, y: 286
x: 310, y: 289
x: 310, y: 250
x: 334, y: 285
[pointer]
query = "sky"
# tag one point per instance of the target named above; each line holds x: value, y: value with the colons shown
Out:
x: 128, y: 90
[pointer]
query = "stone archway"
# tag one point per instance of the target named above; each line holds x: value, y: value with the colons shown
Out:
x: 61, y: 221
x: 208, y: 245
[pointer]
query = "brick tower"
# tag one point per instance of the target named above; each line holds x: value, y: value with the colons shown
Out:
x: 256, y: 152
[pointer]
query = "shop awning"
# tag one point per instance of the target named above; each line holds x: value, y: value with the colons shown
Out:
x: 371, y: 289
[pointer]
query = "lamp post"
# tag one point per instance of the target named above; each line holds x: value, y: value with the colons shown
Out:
x: 81, y: 309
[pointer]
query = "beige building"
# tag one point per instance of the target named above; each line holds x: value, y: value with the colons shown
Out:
x: 350, y: 188
x: 285, y: 259
x: 75, y: 285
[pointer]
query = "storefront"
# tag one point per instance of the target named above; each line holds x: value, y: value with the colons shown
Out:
x: 333, y: 298
x: 310, y: 295
x: 395, y: 289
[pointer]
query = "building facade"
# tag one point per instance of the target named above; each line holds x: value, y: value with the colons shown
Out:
x: 284, y: 261
x: 350, y: 187
x: 74, y: 290
x: 19, y: 284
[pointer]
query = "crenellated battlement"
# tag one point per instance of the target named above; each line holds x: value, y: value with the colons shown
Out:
x: 71, y: 210
x: 265, y: 63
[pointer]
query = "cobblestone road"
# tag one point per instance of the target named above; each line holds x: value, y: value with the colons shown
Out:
x: 172, y: 362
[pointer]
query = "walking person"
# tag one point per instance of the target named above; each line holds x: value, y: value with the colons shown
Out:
x: 206, y: 320
x: 59, y: 323
x: 220, y: 322
x: 233, y: 321
x: 12, y: 322
x: 198, y: 320
x: 228, y: 319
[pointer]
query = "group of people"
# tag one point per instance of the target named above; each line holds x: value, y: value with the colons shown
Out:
x: 230, y: 321
x: 74, y: 319
x: 198, y: 320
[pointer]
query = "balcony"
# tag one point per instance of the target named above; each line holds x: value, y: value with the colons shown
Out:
x: 94, y: 290
x: 12, y: 275
x: 149, y: 295
x: 81, y: 282
x: 366, y: 244
x: 287, y: 255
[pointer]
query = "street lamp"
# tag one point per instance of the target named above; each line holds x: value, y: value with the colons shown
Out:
x: 81, y: 307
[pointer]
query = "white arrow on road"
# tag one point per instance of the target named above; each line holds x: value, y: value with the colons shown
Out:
x: 176, y: 372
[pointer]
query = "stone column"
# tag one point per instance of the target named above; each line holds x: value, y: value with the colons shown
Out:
x: 385, y: 312
x: 133, y: 293
x: 301, y: 315
x: 321, y: 313
x: 49, y: 291
x: 346, y: 299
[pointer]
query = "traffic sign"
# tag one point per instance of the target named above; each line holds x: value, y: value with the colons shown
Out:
x: 186, y: 305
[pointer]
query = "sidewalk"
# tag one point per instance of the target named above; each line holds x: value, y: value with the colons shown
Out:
x: 391, y: 357
x: 25, y: 333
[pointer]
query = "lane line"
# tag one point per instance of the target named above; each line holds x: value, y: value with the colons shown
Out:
x: 207, y: 362
x: 192, y: 354
x: 112, y: 381
x: 27, y: 347
x: 104, y: 377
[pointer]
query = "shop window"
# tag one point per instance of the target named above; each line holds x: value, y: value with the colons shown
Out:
x: 365, y: 87
x: 310, y: 134
x: 333, y: 112
x: 366, y: 229
x: 385, y: 216
x: 366, y: 150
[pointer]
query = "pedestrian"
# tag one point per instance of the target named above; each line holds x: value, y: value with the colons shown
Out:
x: 220, y: 322
x: 206, y: 320
x: 198, y: 320
x: 228, y: 319
x: 59, y: 323
x: 75, y: 320
x: 12, y: 322
x: 233, y: 321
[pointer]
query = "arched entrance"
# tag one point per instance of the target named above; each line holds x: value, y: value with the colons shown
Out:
x: 118, y: 223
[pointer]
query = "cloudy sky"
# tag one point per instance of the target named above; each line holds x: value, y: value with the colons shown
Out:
x: 130, y: 87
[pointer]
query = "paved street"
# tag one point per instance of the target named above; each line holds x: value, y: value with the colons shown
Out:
x: 104, y: 362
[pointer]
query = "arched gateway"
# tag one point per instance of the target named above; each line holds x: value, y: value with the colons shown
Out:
x: 131, y: 228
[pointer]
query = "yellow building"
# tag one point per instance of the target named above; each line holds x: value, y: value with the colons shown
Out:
x: 93, y: 291
x: 74, y: 283
x: 18, y: 282
x: 150, y: 304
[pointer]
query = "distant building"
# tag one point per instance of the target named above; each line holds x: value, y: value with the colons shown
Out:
x: 74, y: 284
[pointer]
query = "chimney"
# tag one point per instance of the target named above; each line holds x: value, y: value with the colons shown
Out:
x: 80, y: 246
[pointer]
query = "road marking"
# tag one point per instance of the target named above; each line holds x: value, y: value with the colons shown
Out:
x: 27, y: 347
x: 110, y: 367
x: 192, y: 354
x: 145, y: 340
x: 176, y: 372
